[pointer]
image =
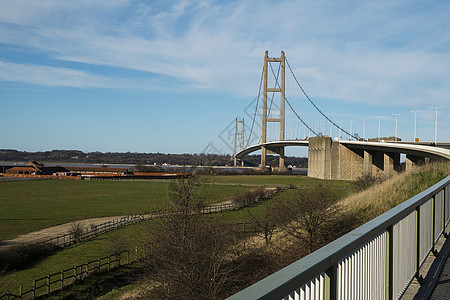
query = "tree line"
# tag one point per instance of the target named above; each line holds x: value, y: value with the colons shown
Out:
x: 76, y: 156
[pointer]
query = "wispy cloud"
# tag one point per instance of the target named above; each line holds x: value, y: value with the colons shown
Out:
x: 50, y: 76
x: 377, y: 52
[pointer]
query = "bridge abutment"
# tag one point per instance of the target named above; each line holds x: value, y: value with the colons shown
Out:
x: 328, y: 159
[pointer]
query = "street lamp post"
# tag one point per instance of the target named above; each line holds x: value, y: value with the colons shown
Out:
x: 379, y: 126
x: 351, y: 129
x: 435, y: 126
x: 415, y: 122
x: 364, y: 128
x: 396, y: 115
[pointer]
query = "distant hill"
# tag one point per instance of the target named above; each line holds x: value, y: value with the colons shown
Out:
x: 75, y: 156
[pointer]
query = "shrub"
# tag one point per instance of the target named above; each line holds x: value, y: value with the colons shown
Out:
x: 18, y: 256
x: 76, y: 231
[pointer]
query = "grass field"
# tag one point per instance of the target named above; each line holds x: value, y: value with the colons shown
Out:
x: 54, y: 201
x: 30, y: 205
x: 98, y: 247
x: 280, y: 180
x: 27, y: 206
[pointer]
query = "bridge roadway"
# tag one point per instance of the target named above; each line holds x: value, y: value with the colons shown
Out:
x: 408, y: 149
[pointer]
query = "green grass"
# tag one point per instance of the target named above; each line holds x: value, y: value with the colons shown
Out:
x: 66, y: 200
x: 281, y: 180
x: 101, y: 246
x: 27, y: 206
x: 340, y: 190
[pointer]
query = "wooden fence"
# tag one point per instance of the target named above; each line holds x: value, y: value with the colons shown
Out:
x: 70, y: 238
x: 57, y: 281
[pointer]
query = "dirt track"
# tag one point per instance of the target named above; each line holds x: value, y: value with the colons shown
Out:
x: 54, y: 231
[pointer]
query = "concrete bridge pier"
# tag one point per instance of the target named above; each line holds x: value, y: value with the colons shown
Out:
x: 373, y: 162
x: 414, y: 160
x: 391, y: 163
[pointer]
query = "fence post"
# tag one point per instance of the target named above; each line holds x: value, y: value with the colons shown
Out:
x: 20, y: 291
x: 48, y: 284
x: 98, y: 264
x: 34, y: 289
x: 109, y: 263
x: 75, y: 273
x: 62, y: 279
x: 137, y: 254
x: 128, y: 257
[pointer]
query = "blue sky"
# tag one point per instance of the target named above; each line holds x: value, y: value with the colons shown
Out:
x: 171, y: 76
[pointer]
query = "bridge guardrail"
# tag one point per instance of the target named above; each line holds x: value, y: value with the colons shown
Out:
x: 377, y: 260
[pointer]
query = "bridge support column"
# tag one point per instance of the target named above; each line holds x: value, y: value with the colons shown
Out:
x: 263, y: 157
x: 368, y: 162
x: 413, y: 160
x: 348, y: 164
x: 391, y: 163
x: 281, y: 157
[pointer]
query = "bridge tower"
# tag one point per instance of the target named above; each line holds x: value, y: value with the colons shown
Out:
x: 237, y: 133
x: 280, y: 89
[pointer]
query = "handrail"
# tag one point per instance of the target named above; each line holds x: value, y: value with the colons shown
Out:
x: 324, y: 262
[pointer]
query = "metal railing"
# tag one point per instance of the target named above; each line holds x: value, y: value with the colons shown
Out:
x: 377, y: 260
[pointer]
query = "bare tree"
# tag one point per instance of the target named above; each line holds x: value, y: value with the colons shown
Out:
x: 189, y: 252
x: 307, y: 216
x: 265, y: 221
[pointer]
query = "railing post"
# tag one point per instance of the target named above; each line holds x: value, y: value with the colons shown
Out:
x: 417, y: 252
x: 330, y: 283
x: 34, y: 289
x: 389, y: 263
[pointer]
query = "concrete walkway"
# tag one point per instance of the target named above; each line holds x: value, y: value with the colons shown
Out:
x: 442, y: 289
x: 436, y: 273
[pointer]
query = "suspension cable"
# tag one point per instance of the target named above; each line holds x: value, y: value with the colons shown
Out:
x: 256, y: 108
x: 304, y: 93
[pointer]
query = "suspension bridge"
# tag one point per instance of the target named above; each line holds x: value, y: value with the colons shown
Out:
x: 328, y: 157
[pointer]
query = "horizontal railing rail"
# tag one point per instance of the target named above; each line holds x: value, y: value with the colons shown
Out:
x: 377, y: 260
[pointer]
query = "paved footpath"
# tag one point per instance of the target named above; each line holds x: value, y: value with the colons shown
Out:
x: 442, y: 289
